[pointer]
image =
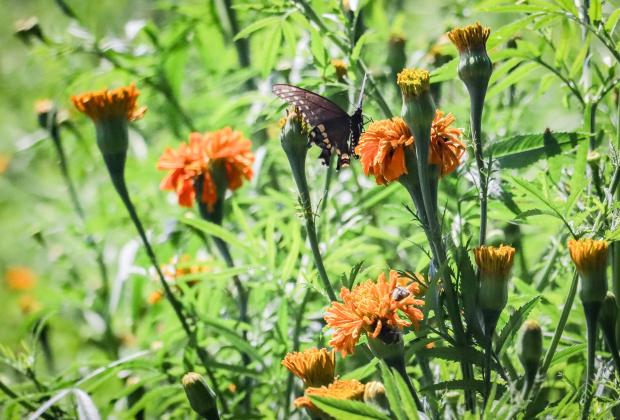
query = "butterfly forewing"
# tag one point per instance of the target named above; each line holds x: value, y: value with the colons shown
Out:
x: 331, y: 125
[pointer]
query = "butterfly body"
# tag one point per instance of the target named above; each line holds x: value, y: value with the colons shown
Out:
x: 333, y: 130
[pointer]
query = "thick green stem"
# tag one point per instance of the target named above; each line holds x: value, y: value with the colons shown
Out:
x: 591, y: 310
x: 476, y: 107
x: 490, y: 322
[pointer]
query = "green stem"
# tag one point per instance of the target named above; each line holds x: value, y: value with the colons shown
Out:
x: 116, y: 167
x: 610, y: 340
x: 490, y: 322
x: 476, y: 107
x: 591, y: 310
x: 299, y: 174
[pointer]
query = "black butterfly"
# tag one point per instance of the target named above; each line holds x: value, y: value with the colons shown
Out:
x: 332, y: 127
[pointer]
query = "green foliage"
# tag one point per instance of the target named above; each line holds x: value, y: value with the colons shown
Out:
x: 84, y: 341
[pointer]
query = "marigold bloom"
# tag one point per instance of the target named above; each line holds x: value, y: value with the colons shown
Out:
x: 340, y: 390
x: 371, y: 307
x: 341, y: 68
x: 446, y: 146
x: 196, y: 158
x: 104, y: 104
x: 20, y: 278
x: 588, y: 254
x: 382, y: 147
x: 495, y: 262
x: 181, y: 267
x: 470, y: 38
x: 315, y: 367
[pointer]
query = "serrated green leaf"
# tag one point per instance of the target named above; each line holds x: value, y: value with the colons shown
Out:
x: 525, y: 149
x: 391, y: 391
x: 580, y: 58
x: 215, y: 230
x: 518, y: 74
x: 256, y: 26
x: 346, y: 409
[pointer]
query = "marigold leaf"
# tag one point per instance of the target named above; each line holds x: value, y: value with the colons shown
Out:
x: 345, y: 409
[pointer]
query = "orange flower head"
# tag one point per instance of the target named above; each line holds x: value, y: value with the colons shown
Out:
x: 315, y: 367
x: 495, y: 262
x: 589, y: 255
x: 106, y: 104
x: 382, y: 149
x: 20, y: 278
x: 5, y: 160
x: 371, y: 307
x: 446, y: 148
x: 196, y: 159
x: 340, y: 390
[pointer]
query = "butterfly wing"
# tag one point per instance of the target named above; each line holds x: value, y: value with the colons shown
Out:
x: 331, y: 125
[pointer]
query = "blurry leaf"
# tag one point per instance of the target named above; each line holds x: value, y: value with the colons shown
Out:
x: 259, y: 24
x: 613, y: 235
x: 345, y: 409
x: 406, y: 399
x: 446, y: 72
x: 85, y: 406
x: 580, y: 58
x: 595, y: 11
x: 234, y: 339
x: 318, y: 50
x: 517, y: 74
x: 612, y: 21
x: 525, y: 149
x: 270, y: 53
x: 469, y: 283
x: 514, y: 323
x: 456, y: 354
x: 355, y: 54
x: 460, y: 384
x: 49, y: 403
x: 215, y: 230
x: 567, y: 352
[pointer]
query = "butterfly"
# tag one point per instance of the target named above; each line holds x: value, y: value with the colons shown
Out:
x: 332, y: 128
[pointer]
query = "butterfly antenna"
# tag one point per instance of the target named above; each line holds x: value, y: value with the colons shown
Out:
x: 359, y: 101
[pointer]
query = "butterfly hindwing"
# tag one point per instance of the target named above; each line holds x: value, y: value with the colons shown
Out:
x: 332, y: 136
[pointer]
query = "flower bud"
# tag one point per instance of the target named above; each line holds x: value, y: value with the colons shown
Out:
x: 28, y: 29
x: 475, y: 66
x: 495, y: 264
x: 374, y: 394
x: 201, y: 398
x: 590, y: 258
x: 531, y: 350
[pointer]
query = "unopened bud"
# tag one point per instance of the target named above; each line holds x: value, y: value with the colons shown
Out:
x: 374, y: 394
x: 201, y: 397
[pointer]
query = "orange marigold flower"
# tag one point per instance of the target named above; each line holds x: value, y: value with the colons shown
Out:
x: 446, y: 145
x: 315, y: 367
x: 196, y: 158
x: 5, y: 160
x: 20, y: 278
x: 382, y: 147
x: 340, y: 390
x: 104, y: 104
x: 370, y: 307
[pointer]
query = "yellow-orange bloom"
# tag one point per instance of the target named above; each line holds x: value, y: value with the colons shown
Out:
x: 315, y: 367
x: 495, y: 262
x: 446, y: 148
x: 115, y: 103
x: 20, y: 278
x: 196, y: 159
x: 181, y: 267
x: 5, y: 160
x: 589, y: 255
x: 340, y: 390
x: 371, y: 307
x: 382, y: 147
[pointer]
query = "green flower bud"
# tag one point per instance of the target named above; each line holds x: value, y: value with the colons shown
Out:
x: 201, y: 398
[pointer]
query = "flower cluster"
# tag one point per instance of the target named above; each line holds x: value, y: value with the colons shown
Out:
x: 382, y: 147
x: 196, y: 158
x: 373, y: 308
